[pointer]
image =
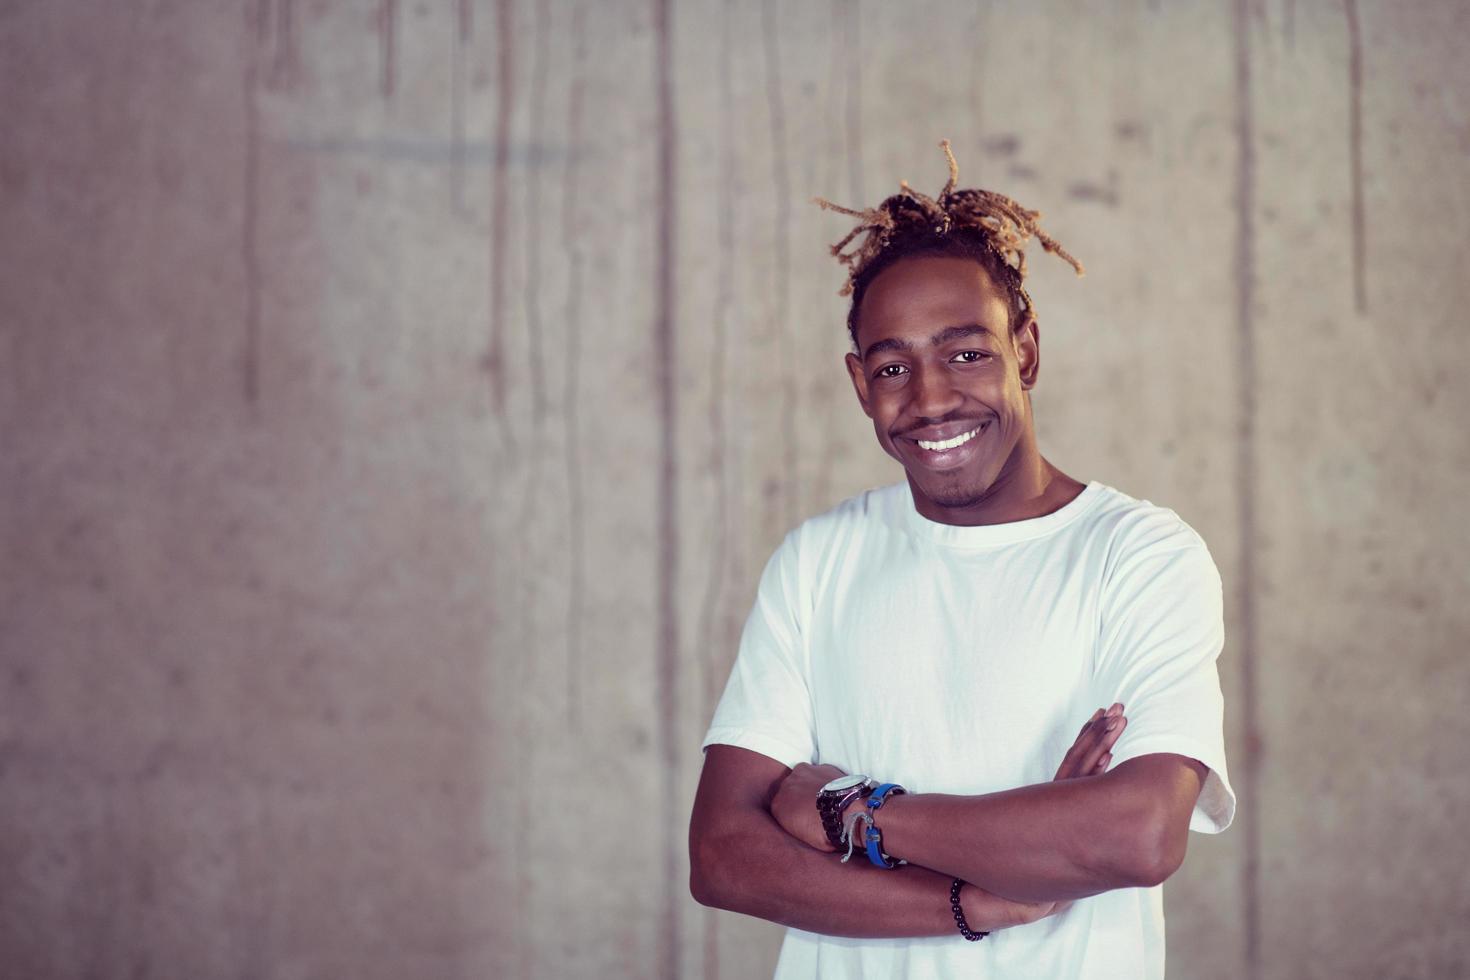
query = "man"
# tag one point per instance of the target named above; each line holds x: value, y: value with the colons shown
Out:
x: 947, y: 634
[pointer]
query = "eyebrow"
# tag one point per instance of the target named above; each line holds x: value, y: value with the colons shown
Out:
x: 942, y: 337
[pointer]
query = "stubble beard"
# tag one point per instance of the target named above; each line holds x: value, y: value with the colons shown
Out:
x: 956, y: 494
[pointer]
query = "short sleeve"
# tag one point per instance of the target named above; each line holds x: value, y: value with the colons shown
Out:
x: 1162, y: 631
x: 767, y: 705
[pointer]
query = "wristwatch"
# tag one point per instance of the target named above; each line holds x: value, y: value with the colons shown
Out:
x: 835, y: 797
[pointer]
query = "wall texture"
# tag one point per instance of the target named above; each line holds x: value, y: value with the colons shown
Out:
x: 399, y: 399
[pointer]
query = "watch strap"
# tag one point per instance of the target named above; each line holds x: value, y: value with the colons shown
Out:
x: 831, y: 804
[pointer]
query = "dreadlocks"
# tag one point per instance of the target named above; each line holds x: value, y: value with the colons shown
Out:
x: 990, y: 228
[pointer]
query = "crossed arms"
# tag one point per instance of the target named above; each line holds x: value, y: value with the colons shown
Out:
x: 756, y: 843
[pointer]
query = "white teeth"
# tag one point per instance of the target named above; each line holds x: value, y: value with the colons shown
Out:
x: 943, y: 444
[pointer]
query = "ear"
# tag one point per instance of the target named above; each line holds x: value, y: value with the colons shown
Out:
x: 859, y: 382
x: 1027, y: 343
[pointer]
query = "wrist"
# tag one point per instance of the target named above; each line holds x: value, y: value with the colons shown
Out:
x: 892, y: 818
x: 984, y: 911
x: 872, y: 833
x: 835, y: 800
x: 971, y: 932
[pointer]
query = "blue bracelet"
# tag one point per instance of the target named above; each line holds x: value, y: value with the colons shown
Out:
x: 882, y: 792
x: 872, y: 835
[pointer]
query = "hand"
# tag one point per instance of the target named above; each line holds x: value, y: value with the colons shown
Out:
x: 1088, y: 756
x: 795, y: 803
x: 1091, y: 753
x: 987, y: 912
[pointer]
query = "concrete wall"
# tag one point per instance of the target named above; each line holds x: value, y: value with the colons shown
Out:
x: 399, y: 400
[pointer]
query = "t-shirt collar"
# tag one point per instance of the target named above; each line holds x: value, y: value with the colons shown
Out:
x: 990, y: 535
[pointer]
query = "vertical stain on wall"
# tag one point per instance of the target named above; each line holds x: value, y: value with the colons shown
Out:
x: 571, y: 380
x: 533, y: 487
x: 528, y: 572
x: 388, y: 47
x: 259, y: 11
x: 1355, y: 155
x: 667, y: 498
x: 284, y: 62
x: 1288, y: 18
x: 526, y: 749
x: 780, y: 173
x: 710, y: 644
x: 457, y: 81
x: 250, y: 205
x: 852, y: 52
x: 1246, y: 477
x: 844, y: 89
x: 499, y: 204
x: 978, y: 37
x: 532, y: 294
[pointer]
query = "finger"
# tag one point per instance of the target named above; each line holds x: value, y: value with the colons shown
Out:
x: 1089, y: 722
x: 1097, y: 736
x: 1073, y: 762
x: 1093, y: 761
x: 1111, y: 732
x: 1068, y: 767
x: 1101, y: 740
x: 1082, y: 733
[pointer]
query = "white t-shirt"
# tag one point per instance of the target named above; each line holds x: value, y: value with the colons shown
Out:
x: 964, y: 660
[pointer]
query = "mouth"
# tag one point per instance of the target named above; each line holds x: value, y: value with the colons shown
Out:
x: 951, y: 452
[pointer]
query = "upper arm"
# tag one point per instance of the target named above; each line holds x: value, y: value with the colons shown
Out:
x: 766, y: 706
x: 762, y: 726
x: 1162, y: 633
x: 734, y: 780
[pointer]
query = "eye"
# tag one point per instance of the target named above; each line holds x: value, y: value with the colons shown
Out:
x: 890, y: 371
x: 972, y: 356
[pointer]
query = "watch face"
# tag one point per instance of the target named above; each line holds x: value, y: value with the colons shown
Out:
x: 843, y: 782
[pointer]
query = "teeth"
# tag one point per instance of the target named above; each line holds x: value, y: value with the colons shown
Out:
x: 943, y: 444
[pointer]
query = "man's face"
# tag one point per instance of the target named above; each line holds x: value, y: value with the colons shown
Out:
x: 943, y: 382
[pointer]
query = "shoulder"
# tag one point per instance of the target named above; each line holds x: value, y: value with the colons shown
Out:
x: 837, y: 532
x: 853, y: 516
x: 1131, y: 525
x: 1151, y: 551
x: 1162, y: 599
x: 1138, y: 532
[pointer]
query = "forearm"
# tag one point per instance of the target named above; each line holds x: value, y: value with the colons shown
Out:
x: 1052, y: 841
x: 759, y: 870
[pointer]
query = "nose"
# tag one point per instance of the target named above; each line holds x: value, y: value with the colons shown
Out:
x: 934, y: 393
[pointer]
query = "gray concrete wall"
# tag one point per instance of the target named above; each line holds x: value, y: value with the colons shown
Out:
x: 400, y: 399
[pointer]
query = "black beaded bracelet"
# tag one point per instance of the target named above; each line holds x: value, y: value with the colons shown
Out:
x: 959, y: 913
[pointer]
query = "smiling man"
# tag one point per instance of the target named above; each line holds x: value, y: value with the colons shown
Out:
x: 893, y: 771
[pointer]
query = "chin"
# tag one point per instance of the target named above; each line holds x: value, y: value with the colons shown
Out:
x: 959, y: 494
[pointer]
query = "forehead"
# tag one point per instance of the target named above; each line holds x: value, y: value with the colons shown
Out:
x: 915, y: 296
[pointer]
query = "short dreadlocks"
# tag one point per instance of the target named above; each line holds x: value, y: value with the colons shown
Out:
x: 989, y: 228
